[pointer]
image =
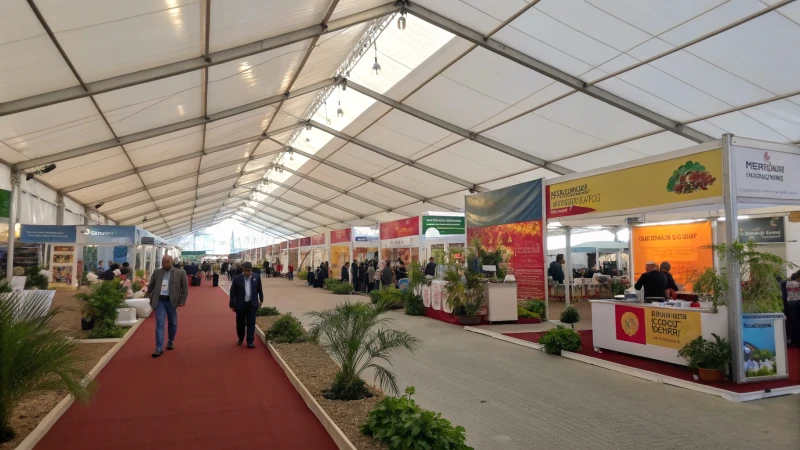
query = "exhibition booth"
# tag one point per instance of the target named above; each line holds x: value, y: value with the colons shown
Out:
x: 304, y: 255
x: 443, y: 234
x: 293, y: 255
x: 675, y: 207
x: 352, y: 244
x: 319, y: 250
x: 76, y: 249
x: 400, y: 239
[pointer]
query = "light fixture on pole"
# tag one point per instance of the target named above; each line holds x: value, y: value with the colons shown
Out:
x: 327, y: 120
x: 46, y: 169
x: 376, y: 68
x: 340, y: 112
x: 401, y: 21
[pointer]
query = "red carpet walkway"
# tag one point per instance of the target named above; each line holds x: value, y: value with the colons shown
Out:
x: 206, y: 394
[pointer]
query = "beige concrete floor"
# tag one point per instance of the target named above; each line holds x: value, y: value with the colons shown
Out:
x: 511, y: 397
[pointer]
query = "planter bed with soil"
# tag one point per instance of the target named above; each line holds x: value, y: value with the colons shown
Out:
x: 316, y: 371
x: 32, y: 410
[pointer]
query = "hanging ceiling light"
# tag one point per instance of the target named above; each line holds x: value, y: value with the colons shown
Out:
x: 376, y: 68
x: 340, y: 112
x: 327, y: 120
x: 401, y: 21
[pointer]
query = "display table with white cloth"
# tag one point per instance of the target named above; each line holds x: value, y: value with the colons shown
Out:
x: 141, y: 305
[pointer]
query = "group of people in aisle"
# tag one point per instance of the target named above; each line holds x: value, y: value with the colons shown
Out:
x: 790, y: 291
x: 365, y: 276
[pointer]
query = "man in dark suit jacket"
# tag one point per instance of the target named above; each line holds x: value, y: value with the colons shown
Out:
x: 167, y: 291
x: 246, y: 297
x: 345, y: 273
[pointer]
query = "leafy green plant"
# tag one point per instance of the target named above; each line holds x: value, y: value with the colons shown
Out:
x: 287, y: 330
x: 416, y: 277
x: 700, y: 353
x: 106, y: 333
x: 18, y: 271
x: 403, y: 425
x: 560, y: 338
x: 570, y: 316
x: 35, y: 279
x: 34, y: 355
x: 525, y: 314
x: 758, y: 272
x: 356, y: 337
x: 618, y: 287
x: 329, y: 283
x: 537, y: 306
x: 303, y: 275
x: 342, y: 289
x: 101, y: 303
x: 136, y: 287
x: 268, y: 311
x: 413, y: 304
x: 375, y: 295
x: 464, y: 297
x: 139, y: 273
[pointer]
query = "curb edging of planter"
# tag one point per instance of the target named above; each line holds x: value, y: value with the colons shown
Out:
x: 52, y: 417
x: 342, y: 442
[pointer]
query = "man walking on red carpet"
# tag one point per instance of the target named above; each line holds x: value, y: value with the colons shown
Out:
x: 246, y: 297
x: 168, y: 290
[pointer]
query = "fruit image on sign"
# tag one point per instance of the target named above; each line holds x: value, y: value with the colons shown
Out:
x: 690, y: 177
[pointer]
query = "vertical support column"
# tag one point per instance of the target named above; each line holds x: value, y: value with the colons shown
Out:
x: 715, y: 240
x: 153, y: 259
x: 568, y: 268
x: 60, y: 209
x: 87, y: 216
x: 13, y: 212
x: 105, y: 220
x: 629, y: 223
x: 732, y: 265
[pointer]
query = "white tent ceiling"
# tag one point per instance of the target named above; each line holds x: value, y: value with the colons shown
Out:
x: 173, y: 114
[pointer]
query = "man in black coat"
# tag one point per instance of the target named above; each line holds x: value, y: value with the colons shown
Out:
x: 246, y: 297
x: 345, y: 273
x: 430, y: 268
x: 556, y: 271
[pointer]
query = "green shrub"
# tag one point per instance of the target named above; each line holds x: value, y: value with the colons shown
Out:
x: 413, y: 304
x: 705, y: 354
x: 560, y: 339
x: 374, y: 295
x: 18, y: 271
x: 106, y: 333
x: 34, y: 355
x: 402, y: 425
x: 525, y: 314
x: 538, y: 307
x: 35, y: 280
x: 101, y: 303
x: 329, y: 283
x: 356, y: 337
x: 286, y: 330
x: 342, y: 289
x: 570, y: 315
x: 303, y: 275
x: 268, y: 311
x: 393, y: 296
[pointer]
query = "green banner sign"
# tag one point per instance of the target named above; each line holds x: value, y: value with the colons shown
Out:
x: 442, y: 225
x: 5, y: 203
x: 194, y: 253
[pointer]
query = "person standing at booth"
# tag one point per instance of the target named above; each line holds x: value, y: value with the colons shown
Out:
x: 556, y: 271
x: 430, y: 268
x: 653, y: 281
x: 247, y: 296
x: 672, y: 287
x: 168, y: 290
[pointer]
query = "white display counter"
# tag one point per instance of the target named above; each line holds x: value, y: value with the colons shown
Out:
x: 501, y: 302
x: 653, y: 331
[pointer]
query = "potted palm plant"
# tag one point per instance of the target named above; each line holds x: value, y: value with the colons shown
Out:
x: 711, y: 359
x: 464, y: 294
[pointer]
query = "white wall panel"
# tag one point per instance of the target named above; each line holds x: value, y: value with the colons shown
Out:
x: 455, y: 103
x: 99, y: 191
x: 655, y: 16
x: 333, y: 212
x: 164, y: 147
x: 31, y: 66
x: 240, y: 126
x: 330, y: 52
x: 220, y: 173
x: 420, y: 182
x: 169, y: 171
x: 172, y: 187
x: 475, y: 162
x: 354, y: 204
x: 361, y: 159
x: 383, y: 195
x: 88, y: 167
x: 334, y: 176
x: 201, y: 192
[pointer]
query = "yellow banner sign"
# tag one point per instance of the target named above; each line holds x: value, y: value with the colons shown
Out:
x: 671, y: 328
x: 688, y: 178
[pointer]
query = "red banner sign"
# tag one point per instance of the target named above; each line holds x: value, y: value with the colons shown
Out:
x: 284, y: 245
x: 318, y: 239
x: 343, y: 235
x: 305, y: 242
x: 630, y: 324
x: 276, y: 248
x: 400, y: 228
x: 294, y: 243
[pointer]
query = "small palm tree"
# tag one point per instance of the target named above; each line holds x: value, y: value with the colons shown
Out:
x: 33, y: 355
x: 355, y: 336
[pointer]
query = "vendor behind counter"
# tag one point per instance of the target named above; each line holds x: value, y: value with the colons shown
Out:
x: 653, y: 281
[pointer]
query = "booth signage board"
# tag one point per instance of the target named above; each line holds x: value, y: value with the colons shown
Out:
x: 294, y: 243
x: 366, y: 238
x: 343, y: 235
x: 5, y: 203
x: 684, y: 246
x: 511, y: 218
x: 187, y: 253
x: 399, y: 242
x: 766, y: 174
x: 764, y: 346
x: 400, y: 228
x: 688, y: 178
x: 443, y: 225
x: 48, y: 233
x: 284, y: 245
x: 318, y: 239
x: 762, y: 230
x: 657, y: 326
x: 106, y: 234
x: 305, y: 242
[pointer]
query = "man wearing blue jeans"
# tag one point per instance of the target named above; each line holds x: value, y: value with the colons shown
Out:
x: 168, y: 290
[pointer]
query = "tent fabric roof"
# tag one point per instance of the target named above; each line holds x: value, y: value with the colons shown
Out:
x: 177, y: 114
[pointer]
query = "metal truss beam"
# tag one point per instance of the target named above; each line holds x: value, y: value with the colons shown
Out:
x: 316, y: 199
x: 455, y: 129
x: 160, y: 131
x: 190, y: 65
x: 555, y: 74
x: 296, y: 205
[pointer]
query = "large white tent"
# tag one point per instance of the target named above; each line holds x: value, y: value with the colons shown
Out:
x: 178, y: 114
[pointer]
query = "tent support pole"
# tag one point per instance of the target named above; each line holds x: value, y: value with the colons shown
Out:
x: 568, y: 271
x: 13, y: 212
x: 734, y: 300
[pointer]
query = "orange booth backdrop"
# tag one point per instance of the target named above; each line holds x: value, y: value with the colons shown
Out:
x: 681, y: 245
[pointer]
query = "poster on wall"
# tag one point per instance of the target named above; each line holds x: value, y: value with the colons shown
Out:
x: 433, y: 226
x: 688, y: 178
x: 340, y: 254
x: 511, y: 219
x: 766, y: 174
x: 684, y: 246
x: 764, y: 346
x: 762, y: 230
